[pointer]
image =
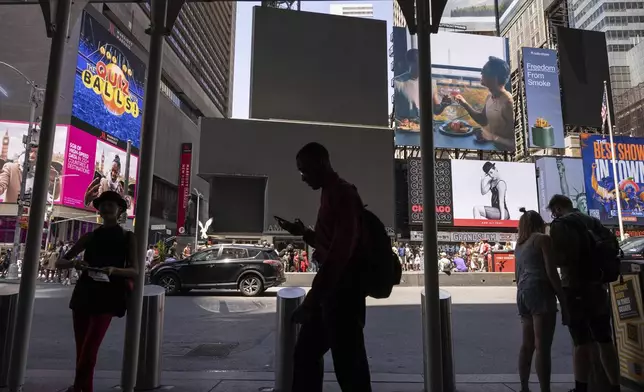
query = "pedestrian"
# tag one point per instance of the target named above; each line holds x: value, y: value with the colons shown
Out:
x: 588, y: 300
x: 52, y: 258
x: 538, y: 287
x: 333, y: 313
x: 102, y: 291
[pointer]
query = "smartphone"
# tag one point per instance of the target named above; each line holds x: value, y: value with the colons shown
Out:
x: 280, y: 220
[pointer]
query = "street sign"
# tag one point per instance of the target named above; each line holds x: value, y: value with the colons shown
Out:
x: 157, y: 227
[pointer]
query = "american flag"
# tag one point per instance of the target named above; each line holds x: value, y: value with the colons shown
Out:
x: 604, y: 107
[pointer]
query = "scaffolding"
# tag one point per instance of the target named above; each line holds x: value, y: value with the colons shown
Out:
x: 556, y: 16
x: 520, y: 113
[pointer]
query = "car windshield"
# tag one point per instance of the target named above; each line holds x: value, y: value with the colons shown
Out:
x: 632, y: 245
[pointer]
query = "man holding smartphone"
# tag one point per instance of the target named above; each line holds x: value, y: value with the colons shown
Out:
x: 333, y: 312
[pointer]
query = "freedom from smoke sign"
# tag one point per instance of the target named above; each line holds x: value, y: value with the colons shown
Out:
x: 543, y: 98
x: 602, y: 197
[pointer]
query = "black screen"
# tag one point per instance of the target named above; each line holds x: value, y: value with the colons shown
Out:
x: 583, y: 65
x: 237, y: 204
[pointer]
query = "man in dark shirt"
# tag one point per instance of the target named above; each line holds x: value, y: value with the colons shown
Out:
x: 588, y: 302
x: 333, y: 312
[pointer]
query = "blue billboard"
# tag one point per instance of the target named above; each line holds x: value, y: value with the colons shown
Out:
x: 601, y: 195
x: 543, y: 98
x: 108, y: 85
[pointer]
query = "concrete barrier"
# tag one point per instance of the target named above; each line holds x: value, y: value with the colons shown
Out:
x: 416, y: 279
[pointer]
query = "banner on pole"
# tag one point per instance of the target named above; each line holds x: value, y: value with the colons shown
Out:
x: 185, y: 170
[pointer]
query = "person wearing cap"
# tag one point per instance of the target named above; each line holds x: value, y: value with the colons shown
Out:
x: 444, y: 264
x: 492, y: 183
x: 101, y: 293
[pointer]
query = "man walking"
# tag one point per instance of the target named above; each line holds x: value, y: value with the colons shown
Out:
x: 588, y: 301
x: 333, y: 313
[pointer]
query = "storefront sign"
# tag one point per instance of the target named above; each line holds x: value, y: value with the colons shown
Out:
x: 185, y: 170
x: 466, y: 236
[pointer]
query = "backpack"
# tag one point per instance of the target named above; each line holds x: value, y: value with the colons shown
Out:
x: 599, y: 246
x: 382, y: 270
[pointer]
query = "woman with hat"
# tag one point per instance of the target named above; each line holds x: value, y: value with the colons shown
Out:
x: 101, y: 293
x: 492, y: 183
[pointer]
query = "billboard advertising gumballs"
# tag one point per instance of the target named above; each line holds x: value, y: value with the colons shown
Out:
x: 472, y: 107
x: 543, y: 98
x: 599, y: 176
x: 560, y: 176
x: 490, y: 194
x: 109, y: 83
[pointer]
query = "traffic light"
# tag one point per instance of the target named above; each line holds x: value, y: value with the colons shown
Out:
x: 408, y: 8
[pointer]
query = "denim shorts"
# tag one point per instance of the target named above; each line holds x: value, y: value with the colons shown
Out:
x: 536, y: 300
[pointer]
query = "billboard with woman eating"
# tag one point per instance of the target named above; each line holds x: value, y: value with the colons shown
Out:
x: 472, y: 105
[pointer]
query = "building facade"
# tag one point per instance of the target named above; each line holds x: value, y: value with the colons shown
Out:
x: 523, y: 25
x: 359, y: 10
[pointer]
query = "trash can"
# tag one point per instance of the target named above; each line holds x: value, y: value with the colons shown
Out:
x: 149, y: 368
x: 8, y: 306
x: 447, y: 353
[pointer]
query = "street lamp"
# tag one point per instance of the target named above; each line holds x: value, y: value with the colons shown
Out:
x: 199, y: 196
x: 50, y: 209
x: 35, y: 98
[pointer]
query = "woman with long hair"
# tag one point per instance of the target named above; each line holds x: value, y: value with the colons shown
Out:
x: 538, y: 287
x: 101, y: 293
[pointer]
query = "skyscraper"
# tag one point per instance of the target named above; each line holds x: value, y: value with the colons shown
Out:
x: 359, y: 10
x: 524, y: 26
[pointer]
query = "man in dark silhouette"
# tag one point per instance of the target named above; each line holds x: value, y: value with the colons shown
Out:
x: 333, y: 313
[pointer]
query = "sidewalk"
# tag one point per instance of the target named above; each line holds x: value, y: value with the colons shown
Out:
x: 214, y: 381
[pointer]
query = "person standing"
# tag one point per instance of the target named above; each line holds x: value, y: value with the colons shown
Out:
x: 101, y: 293
x: 538, y: 287
x: 588, y: 299
x: 333, y: 313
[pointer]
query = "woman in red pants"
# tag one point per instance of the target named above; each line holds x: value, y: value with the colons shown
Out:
x: 101, y: 293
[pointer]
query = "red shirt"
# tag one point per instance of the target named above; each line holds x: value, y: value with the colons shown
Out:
x: 336, y: 235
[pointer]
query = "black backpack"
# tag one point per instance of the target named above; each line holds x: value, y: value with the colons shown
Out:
x: 382, y: 269
x: 599, y: 251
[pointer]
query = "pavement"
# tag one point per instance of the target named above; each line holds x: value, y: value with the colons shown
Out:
x: 219, y: 341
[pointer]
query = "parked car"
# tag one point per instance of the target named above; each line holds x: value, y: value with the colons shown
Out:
x: 632, y: 248
x: 251, y: 269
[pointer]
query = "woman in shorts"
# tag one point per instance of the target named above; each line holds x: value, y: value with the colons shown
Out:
x: 538, y: 287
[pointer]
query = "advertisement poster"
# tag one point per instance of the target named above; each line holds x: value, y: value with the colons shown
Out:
x: 560, y: 176
x: 490, y: 194
x: 109, y: 83
x: 443, y: 180
x: 467, y: 72
x: 628, y: 322
x: 185, y: 172
x: 543, y: 98
x: 12, y: 158
x: 94, y: 166
x: 602, y: 197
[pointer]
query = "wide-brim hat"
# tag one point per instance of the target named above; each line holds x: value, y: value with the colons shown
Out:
x: 110, y: 196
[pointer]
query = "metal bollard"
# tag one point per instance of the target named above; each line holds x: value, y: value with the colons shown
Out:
x: 8, y: 308
x: 449, y: 378
x: 149, y: 369
x: 288, y: 299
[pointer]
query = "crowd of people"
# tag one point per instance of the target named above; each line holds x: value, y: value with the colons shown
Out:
x: 297, y: 260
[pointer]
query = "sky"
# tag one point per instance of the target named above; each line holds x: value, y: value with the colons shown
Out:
x: 382, y: 10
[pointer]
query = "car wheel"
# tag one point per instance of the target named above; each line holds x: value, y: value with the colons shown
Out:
x: 170, y: 282
x: 251, y: 285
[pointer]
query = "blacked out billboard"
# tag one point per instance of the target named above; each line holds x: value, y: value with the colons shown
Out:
x: 583, y: 65
x: 443, y: 179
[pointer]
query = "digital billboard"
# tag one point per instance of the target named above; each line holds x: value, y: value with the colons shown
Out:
x: 94, y: 165
x: 12, y: 158
x: 543, y: 98
x: 490, y: 194
x: 560, y: 176
x: 472, y: 107
x: 108, y: 85
x: 600, y: 181
x: 443, y: 181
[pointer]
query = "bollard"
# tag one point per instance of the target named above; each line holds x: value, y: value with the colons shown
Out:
x: 8, y: 306
x: 447, y: 353
x: 288, y: 299
x: 149, y: 369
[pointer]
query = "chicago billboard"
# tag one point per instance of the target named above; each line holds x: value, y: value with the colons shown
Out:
x: 599, y: 176
x: 443, y: 181
x: 543, y: 98
x: 489, y: 194
x: 108, y: 85
x: 472, y: 106
x: 560, y: 176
